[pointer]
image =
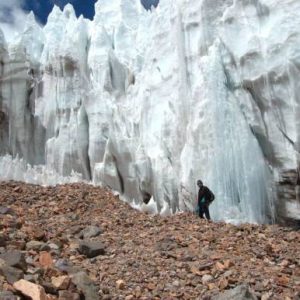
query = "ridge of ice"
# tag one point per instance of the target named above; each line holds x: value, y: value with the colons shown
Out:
x: 148, y: 102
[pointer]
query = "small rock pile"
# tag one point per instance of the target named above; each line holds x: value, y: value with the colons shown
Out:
x: 77, y: 241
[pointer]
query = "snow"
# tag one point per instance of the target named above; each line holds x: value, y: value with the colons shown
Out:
x: 149, y: 102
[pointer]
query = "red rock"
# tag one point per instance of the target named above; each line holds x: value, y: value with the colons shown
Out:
x: 45, y: 259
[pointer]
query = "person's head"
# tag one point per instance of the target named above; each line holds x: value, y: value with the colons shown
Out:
x: 199, y: 183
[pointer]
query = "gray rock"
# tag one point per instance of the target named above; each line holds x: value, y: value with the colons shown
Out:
x: 30, y: 260
x: 86, y: 285
x: 167, y: 244
x: 206, y: 279
x: 6, y: 295
x: 11, y: 274
x: 241, y: 292
x: 66, y: 266
x: 91, y: 248
x: 6, y: 211
x: 45, y: 247
x: 32, y: 278
x: 66, y: 295
x: 89, y: 232
x: 33, y: 271
x: 54, y: 246
x: 15, y: 259
x: 36, y: 245
x: 75, y: 229
x: 63, y: 265
x: 49, y: 288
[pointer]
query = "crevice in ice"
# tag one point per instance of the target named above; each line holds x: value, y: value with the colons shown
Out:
x: 262, y: 10
x: 146, y: 197
x: 248, y: 86
x: 120, y: 177
x: 265, y: 146
x: 286, y: 136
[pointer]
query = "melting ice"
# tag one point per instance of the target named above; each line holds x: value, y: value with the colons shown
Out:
x: 147, y: 102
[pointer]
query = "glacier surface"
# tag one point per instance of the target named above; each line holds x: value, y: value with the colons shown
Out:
x: 147, y: 102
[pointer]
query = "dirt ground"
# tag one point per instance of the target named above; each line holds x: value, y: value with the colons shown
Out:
x: 139, y: 256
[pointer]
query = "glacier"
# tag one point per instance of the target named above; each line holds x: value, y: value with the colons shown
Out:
x: 147, y: 102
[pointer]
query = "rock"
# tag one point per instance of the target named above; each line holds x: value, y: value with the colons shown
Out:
x: 228, y: 273
x: 7, y: 295
x: 15, y: 259
x: 167, y: 244
x: 61, y: 282
x: 34, y: 245
x: 267, y: 296
x: 49, y: 288
x: 32, y: 278
x: 74, y: 245
x: 91, y: 248
x: 45, y: 259
x: 86, y: 285
x: 6, y: 211
x: 17, y: 189
x: 38, y: 234
x: 89, y: 232
x: 45, y: 247
x: 75, y: 229
x: 17, y: 244
x: 30, y: 261
x: 206, y: 279
x: 66, y: 295
x: 63, y: 265
x: 10, y: 273
x: 2, y: 240
x: 54, y: 246
x: 30, y: 289
x: 120, y: 284
x: 241, y: 292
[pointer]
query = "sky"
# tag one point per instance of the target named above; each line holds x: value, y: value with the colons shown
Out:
x: 13, y: 12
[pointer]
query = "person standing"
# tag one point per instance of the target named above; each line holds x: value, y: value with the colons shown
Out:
x: 205, y: 198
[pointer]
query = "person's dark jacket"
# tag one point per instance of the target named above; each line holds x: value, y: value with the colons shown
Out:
x: 207, y: 194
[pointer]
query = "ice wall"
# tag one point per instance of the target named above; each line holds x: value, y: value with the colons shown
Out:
x: 148, y: 102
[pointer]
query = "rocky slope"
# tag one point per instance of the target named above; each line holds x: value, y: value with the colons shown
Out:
x: 77, y: 240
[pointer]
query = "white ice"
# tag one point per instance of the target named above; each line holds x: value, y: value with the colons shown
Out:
x: 147, y: 102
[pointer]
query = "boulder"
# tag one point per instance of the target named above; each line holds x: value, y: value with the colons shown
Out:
x: 29, y: 289
x: 15, y: 259
x: 66, y: 295
x: 86, y: 285
x: 10, y: 273
x: 35, y: 245
x: 89, y: 232
x: 61, y: 282
x: 91, y: 248
x: 6, y: 295
x: 45, y: 259
x: 241, y: 292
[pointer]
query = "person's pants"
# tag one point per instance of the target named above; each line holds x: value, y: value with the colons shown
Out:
x: 203, y: 210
